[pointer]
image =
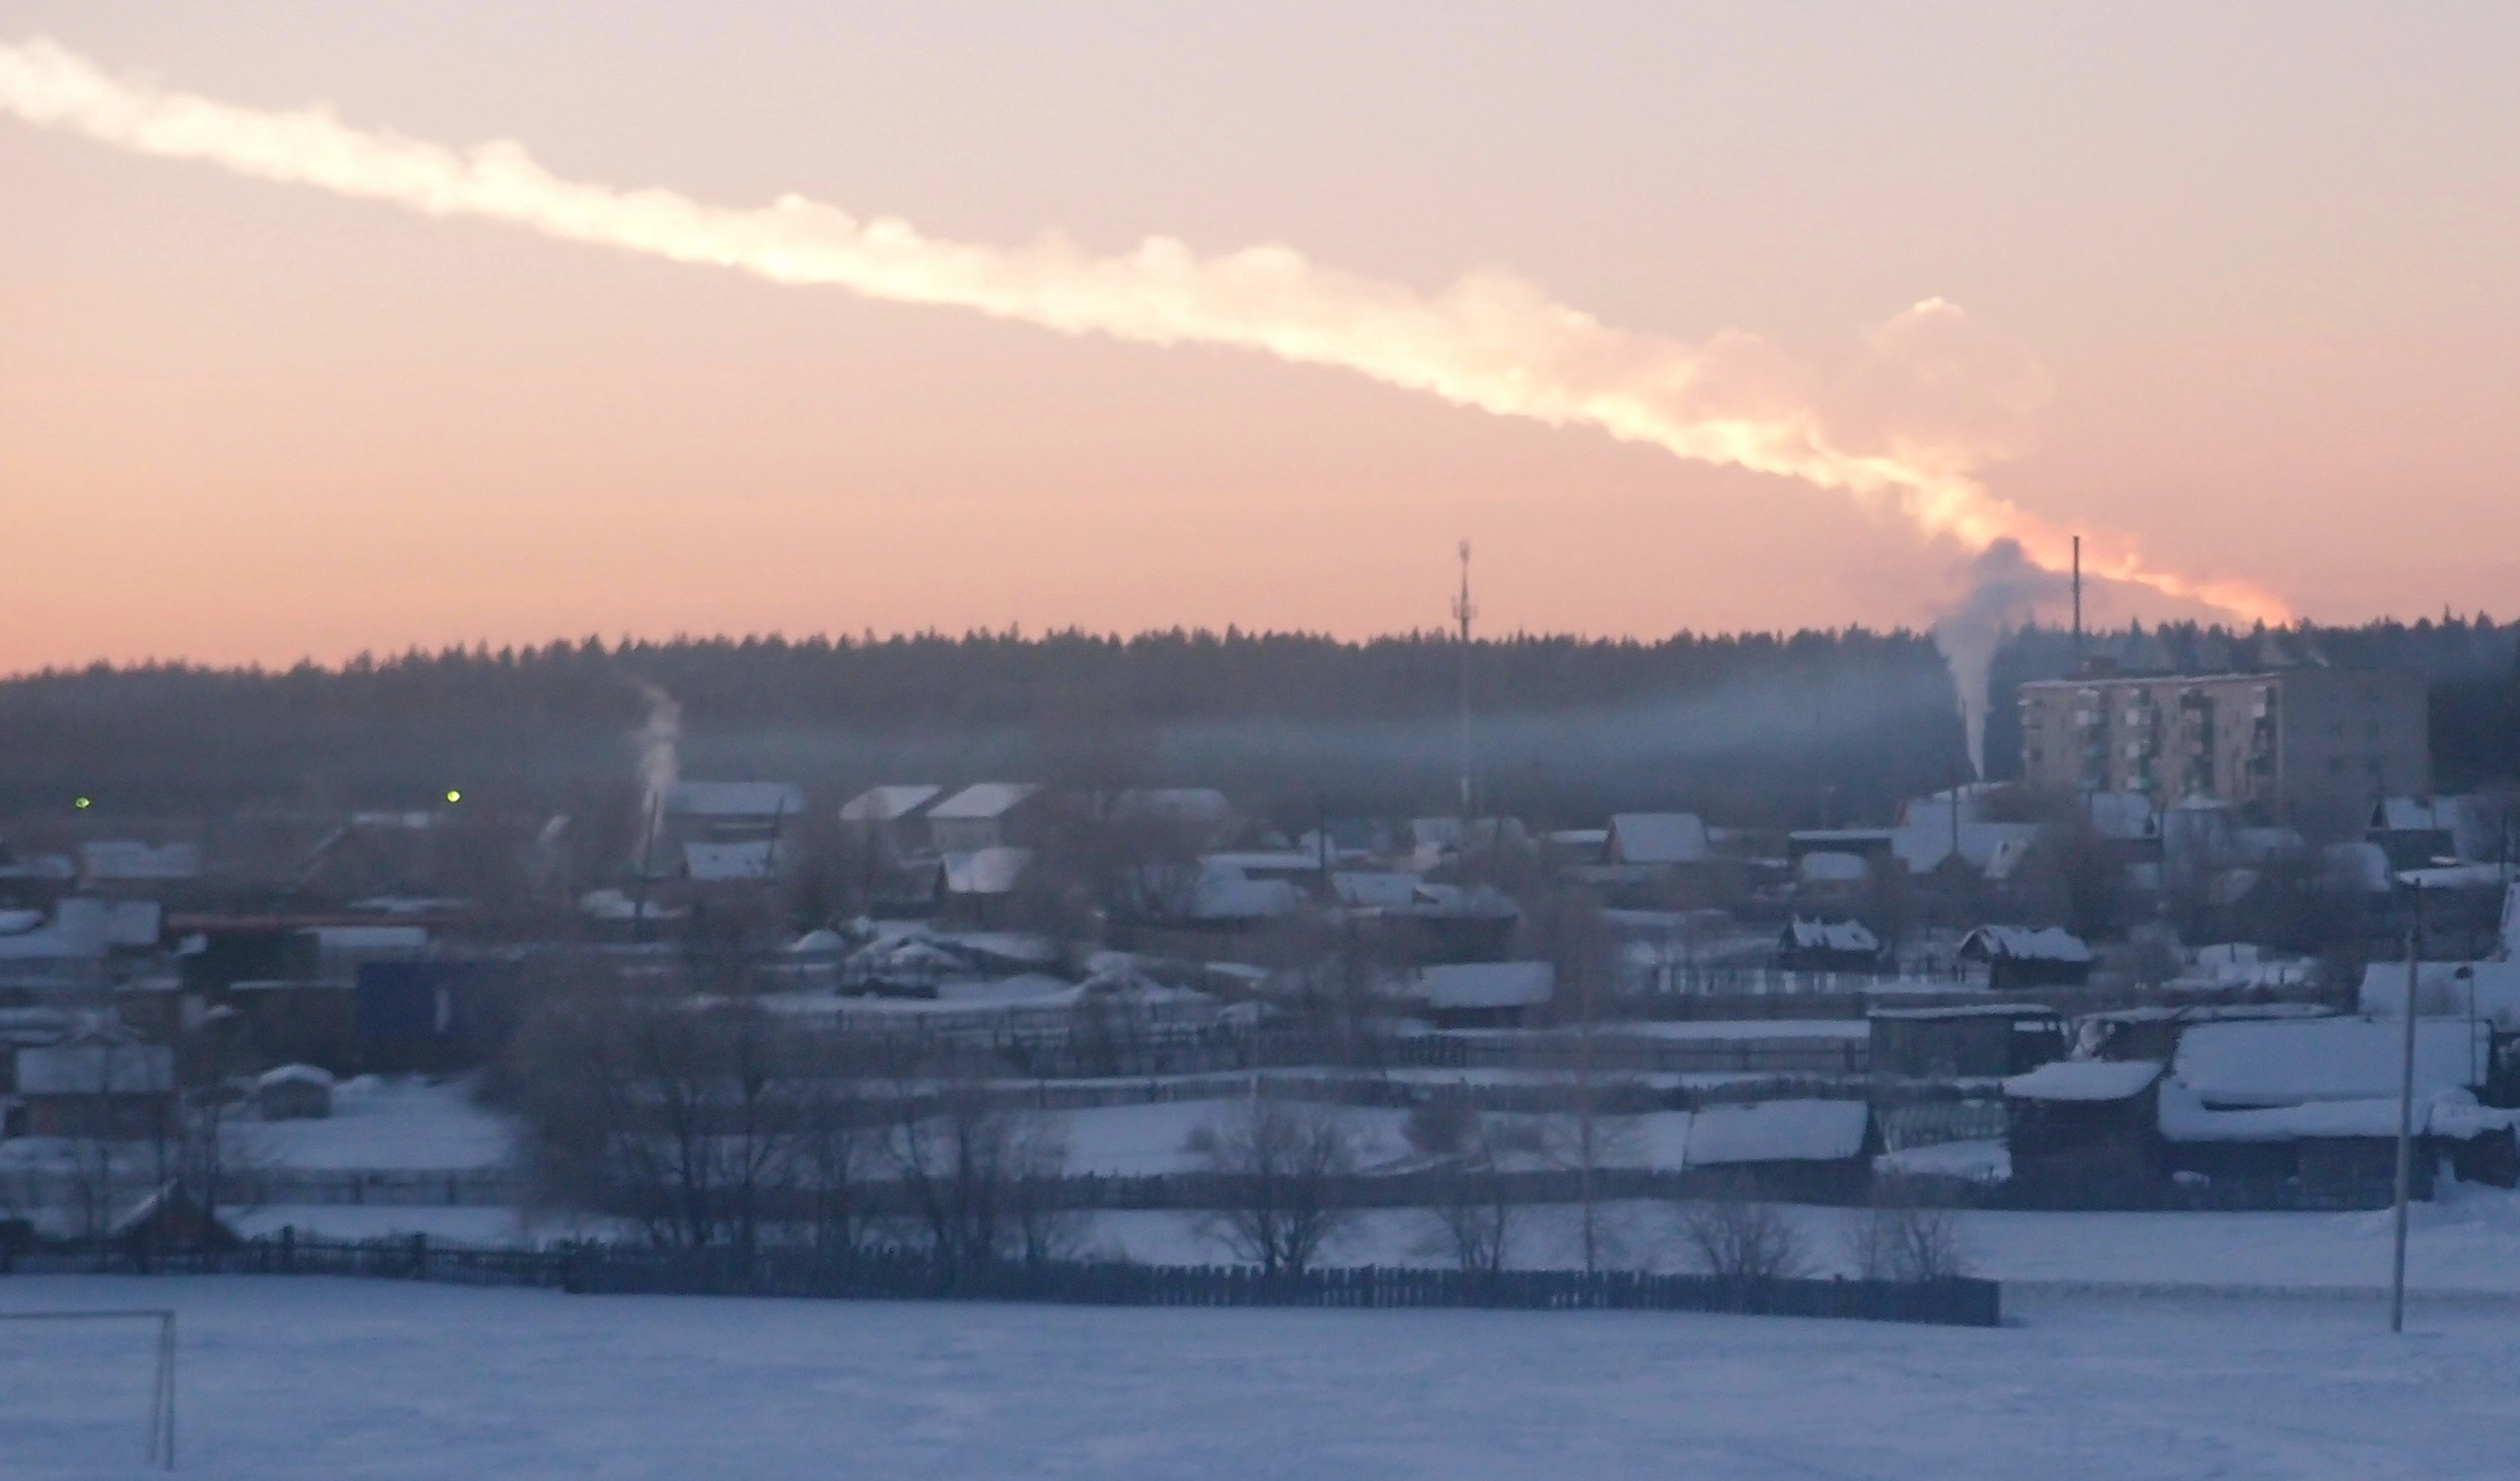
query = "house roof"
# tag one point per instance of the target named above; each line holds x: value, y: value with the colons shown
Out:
x: 1778, y: 1131
x: 136, y: 860
x: 735, y: 799
x: 2288, y: 1061
x: 1370, y: 889
x: 294, y: 1075
x: 1488, y: 985
x: 1657, y: 838
x: 2085, y: 1079
x: 2446, y: 990
x: 1830, y: 935
x: 984, y: 799
x: 2048, y: 943
x: 886, y: 804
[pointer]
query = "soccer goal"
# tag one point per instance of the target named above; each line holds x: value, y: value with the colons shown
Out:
x: 161, y: 1392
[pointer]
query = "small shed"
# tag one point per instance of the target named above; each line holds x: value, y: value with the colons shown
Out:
x: 1969, y: 1041
x: 1486, y: 995
x: 294, y: 1092
x: 2016, y: 956
x: 2085, y: 1133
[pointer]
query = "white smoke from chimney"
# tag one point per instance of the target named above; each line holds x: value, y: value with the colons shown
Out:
x: 2006, y: 590
x: 660, y: 740
x: 1905, y: 431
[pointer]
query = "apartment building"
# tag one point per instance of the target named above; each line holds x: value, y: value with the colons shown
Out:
x: 2312, y: 747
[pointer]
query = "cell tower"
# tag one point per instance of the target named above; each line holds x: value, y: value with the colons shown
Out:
x: 1462, y: 611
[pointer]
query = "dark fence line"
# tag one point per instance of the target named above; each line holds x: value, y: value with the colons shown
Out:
x: 890, y: 1275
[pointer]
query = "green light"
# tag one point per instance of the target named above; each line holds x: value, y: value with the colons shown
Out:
x: 83, y: 802
x: 452, y: 796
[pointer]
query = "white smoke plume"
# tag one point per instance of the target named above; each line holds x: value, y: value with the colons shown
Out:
x: 660, y: 740
x: 2006, y: 589
x: 1905, y: 431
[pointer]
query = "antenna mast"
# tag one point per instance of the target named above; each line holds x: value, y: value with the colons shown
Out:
x: 2078, y: 600
x: 1462, y: 612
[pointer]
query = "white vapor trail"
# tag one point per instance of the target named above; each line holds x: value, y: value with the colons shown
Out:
x: 1489, y: 341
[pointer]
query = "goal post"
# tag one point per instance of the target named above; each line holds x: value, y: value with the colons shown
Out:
x: 161, y: 1389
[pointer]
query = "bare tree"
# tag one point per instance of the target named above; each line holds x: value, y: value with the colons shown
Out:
x: 1901, y: 1237
x: 1566, y: 930
x: 1278, y: 1163
x: 1475, y: 1211
x: 976, y: 1173
x: 1739, y: 1238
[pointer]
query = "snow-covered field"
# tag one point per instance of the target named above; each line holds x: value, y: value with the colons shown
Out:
x: 340, y: 1380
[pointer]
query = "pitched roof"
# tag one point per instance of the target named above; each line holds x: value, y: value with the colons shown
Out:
x: 984, y: 799
x: 885, y: 805
x: 2049, y: 943
x: 2084, y: 1079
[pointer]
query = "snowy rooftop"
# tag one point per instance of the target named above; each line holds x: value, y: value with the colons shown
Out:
x: 884, y: 804
x: 2049, y: 943
x: 1830, y: 935
x: 2084, y: 1079
x: 735, y: 799
x: 1657, y: 838
x: 1488, y: 985
x: 985, y: 871
x: 2287, y: 1063
x: 984, y: 799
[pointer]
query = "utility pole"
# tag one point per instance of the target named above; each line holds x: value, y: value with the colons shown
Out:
x: 1462, y: 612
x: 2406, y: 1122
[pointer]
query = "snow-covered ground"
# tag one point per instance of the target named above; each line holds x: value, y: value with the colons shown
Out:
x: 345, y: 1381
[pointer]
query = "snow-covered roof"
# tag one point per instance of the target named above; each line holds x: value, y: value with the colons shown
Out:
x: 751, y: 858
x: 821, y: 941
x: 2184, y: 1117
x: 2446, y: 990
x: 119, y: 859
x: 610, y: 904
x: 2048, y: 943
x: 735, y: 799
x: 984, y: 799
x: 1232, y: 895
x: 2286, y: 1063
x: 1657, y: 838
x: 294, y: 1075
x: 2418, y: 814
x: 91, y: 1068
x: 1828, y: 867
x: 2455, y: 877
x: 1778, y: 1131
x: 885, y: 805
x: 1831, y: 935
x: 1488, y: 985
x: 2084, y: 1079
x: 985, y: 871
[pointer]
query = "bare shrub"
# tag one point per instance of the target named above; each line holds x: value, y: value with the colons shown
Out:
x: 1901, y: 1237
x: 1741, y: 1239
x: 1278, y: 1163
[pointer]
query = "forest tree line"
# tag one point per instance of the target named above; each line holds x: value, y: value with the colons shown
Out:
x: 1781, y: 728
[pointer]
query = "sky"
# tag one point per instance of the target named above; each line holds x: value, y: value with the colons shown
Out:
x: 2257, y: 257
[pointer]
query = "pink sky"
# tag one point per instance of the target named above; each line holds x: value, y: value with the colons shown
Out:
x: 2264, y: 256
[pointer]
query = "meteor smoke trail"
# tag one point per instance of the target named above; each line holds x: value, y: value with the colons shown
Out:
x: 1489, y: 341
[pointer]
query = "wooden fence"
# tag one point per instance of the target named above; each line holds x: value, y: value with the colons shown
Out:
x: 887, y: 1275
